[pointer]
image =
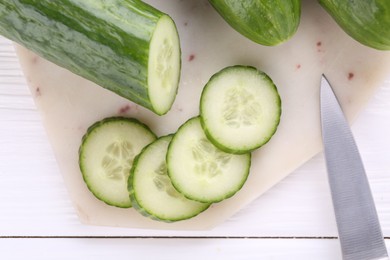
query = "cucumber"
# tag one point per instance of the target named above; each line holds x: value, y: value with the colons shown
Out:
x: 151, y: 190
x: 240, y: 109
x: 125, y: 46
x: 367, y: 21
x: 106, y: 156
x: 267, y: 22
x: 201, y: 171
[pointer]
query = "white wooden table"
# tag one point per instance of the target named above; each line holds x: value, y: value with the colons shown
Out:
x: 294, y: 220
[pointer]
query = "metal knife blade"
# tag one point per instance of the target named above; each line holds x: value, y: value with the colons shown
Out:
x: 358, y: 226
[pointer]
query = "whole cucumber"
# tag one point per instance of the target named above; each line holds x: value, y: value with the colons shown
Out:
x: 126, y: 46
x: 267, y: 22
x: 367, y: 21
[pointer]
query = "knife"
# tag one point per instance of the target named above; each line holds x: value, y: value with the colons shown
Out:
x: 357, y: 221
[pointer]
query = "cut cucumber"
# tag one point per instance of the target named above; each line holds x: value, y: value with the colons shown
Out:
x: 201, y: 171
x: 106, y: 156
x: 128, y: 47
x: 240, y: 109
x: 151, y: 191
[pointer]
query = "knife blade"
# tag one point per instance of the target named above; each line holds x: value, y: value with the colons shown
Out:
x: 357, y: 221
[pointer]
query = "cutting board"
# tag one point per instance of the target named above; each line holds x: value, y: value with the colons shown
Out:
x: 70, y: 104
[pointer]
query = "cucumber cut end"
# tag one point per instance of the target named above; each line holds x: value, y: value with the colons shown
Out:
x: 164, y: 65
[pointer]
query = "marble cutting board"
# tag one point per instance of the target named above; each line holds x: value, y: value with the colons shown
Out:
x: 69, y: 104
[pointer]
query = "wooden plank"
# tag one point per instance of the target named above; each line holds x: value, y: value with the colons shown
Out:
x: 168, y: 249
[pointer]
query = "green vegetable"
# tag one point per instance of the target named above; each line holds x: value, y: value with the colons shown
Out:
x: 126, y: 46
x: 201, y: 171
x: 106, y: 156
x: 240, y: 109
x: 151, y: 190
x: 267, y: 22
x: 367, y: 21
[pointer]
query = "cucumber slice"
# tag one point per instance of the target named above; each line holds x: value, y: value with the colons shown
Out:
x: 201, y: 171
x: 151, y: 190
x: 240, y: 109
x: 106, y: 156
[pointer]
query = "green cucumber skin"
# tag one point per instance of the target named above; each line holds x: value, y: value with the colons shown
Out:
x: 213, y: 140
x: 267, y: 22
x: 133, y: 197
x: 106, y: 42
x: 85, y: 138
x: 367, y: 21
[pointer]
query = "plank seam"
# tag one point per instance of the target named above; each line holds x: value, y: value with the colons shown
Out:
x: 174, y: 237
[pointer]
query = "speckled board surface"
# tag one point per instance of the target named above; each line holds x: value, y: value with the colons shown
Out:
x: 69, y: 104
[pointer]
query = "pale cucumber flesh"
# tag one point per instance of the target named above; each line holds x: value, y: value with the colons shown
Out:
x: 106, y: 156
x: 200, y: 170
x: 240, y: 109
x: 151, y: 190
x: 164, y: 65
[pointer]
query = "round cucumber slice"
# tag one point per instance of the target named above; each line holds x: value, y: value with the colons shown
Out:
x: 106, y: 156
x: 151, y: 190
x: 201, y: 171
x: 240, y: 109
